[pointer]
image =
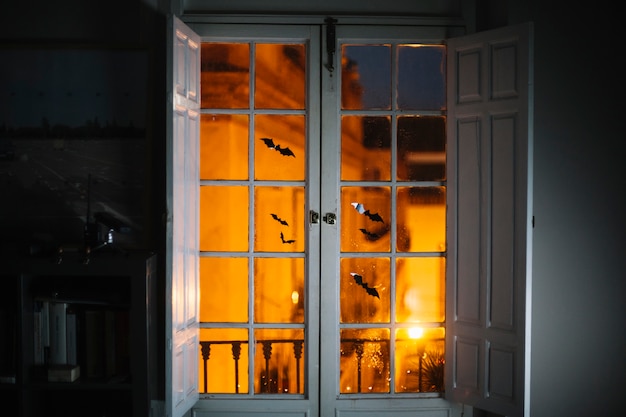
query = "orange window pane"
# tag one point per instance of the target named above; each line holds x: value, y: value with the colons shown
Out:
x: 225, y: 354
x: 420, y: 359
x: 279, y: 361
x: 224, y: 218
x: 279, y: 147
x: 421, y: 219
x: 364, y: 290
x: 365, y: 219
x: 280, y: 76
x: 220, y: 280
x: 364, y: 361
x: 420, y: 289
x: 279, y: 290
x: 225, y: 75
x: 223, y: 147
x: 279, y: 219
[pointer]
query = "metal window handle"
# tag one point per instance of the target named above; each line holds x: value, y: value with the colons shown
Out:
x: 330, y: 218
x: 314, y: 217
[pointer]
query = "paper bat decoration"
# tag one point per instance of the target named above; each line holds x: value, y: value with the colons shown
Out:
x: 282, y: 237
x: 283, y: 151
x: 279, y: 220
x: 370, y: 235
x: 359, y: 280
x: 372, y: 216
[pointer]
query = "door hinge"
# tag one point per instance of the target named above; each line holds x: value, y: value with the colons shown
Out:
x: 331, y: 41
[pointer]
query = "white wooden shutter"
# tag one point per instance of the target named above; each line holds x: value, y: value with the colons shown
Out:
x: 489, y: 219
x: 182, y: 224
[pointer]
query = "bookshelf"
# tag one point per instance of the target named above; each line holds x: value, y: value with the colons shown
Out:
x: 110, y: 298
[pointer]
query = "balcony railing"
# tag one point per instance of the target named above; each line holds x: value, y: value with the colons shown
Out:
x: 357, y: 348
x: 266, y: 346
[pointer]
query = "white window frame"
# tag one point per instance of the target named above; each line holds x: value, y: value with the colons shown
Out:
x: 491, y: 353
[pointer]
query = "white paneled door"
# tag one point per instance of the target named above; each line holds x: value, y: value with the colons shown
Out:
x: 182, y: 220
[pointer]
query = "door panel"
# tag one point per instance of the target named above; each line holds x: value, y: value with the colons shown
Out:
x: 182, y: 232
x: 384, y: 258
x: 260, y: 329
x: 490, y: 168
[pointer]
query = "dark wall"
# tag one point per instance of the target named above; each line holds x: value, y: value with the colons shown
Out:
x: 44, y: 188
x: 68, y: 166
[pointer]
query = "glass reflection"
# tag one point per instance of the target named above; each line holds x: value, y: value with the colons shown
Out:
x: 225, y: 75
x: 279, y: 290
x: 419, y: 359
x: 364, y: 290
x: 365, y: 148
x: 420, y: 290
x: 279, y: 361
x: 365, y: 219
x: 421, y: 217
x: 223, y: 147
x: 366, y: 77
x: 364, y: 361
x: 421, y: 77
x: 224, y: 218
x: 279, y: 148
x: 421, y: 148
x: 276, y: 63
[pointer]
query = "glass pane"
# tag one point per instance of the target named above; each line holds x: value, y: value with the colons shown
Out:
x: 220, y: 279
x: 420, y: 289
x: 275, y: 65
x: 224, y: 218
x: 364, y: 361
x: 223, y: 361
x: 421, y: 77
x: 223, y: 147
x: 279, y: 148
x: 422, y: 148
x: 365, y: 148
x: 279, y: 290
x: 364, y: 290
x: 366, y: 77
x: 279, y: 219
x: 279, y: 361
x: 421, y: 219
x: 365, y: 219
x: 419, y: 359
x: 225, y: 75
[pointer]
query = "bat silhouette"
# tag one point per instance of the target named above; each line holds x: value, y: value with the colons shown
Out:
x: 279, y: 220
x: 370, y: 235
x: 283, y: 151
x: 282, y: 237
x: 361, y: 209
x: 359, y: 280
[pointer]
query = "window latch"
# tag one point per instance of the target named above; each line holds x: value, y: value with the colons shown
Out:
x: 330, y: 43
x: 314, y: 217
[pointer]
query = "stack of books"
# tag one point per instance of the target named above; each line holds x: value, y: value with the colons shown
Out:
x: 71, y: 334
x: 56, y: 340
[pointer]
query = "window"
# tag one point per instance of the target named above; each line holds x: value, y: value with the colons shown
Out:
x: 322, y: 221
